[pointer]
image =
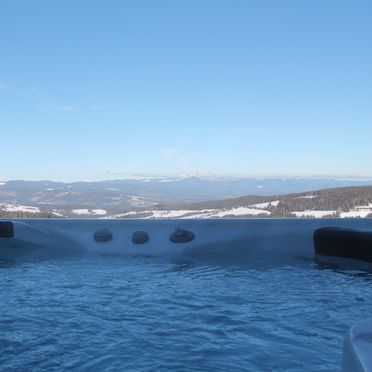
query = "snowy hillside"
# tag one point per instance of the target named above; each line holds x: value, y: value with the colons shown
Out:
x: 120, y: 199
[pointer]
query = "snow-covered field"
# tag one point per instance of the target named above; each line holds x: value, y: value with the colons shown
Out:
x: 259, y: 209
x: 89, y: 212
x: 10, y: 207
x: 314, y: 213
x: 362, y: 211
x: 57, y: 213
x: 99, y: 212
x: 203, y: 213
x: 80, y: 211
x: 355, y: 213
x: 241, y: 211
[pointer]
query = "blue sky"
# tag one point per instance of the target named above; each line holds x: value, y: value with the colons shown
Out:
x: 106, y: 89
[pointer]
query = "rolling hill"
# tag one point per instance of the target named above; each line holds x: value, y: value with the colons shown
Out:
x: 153, y: 199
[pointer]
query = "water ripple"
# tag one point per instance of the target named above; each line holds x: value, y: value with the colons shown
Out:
x: 113, y: 313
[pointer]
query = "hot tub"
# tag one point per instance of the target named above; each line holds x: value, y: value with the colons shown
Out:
x: 254, y: 290
x: 272, y: 240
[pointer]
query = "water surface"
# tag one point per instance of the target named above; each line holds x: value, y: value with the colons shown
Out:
x: 112, y: 313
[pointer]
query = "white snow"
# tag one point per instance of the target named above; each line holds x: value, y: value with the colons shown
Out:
x: 359, y: 211
x: 57, y: 213
x: 241, y: 211
x: 84, y: 211
x: 80, y: 211
x: 308, y: 197
x: 99, y: 212
x: 18, y: 208
x: 369, y: 206
x: 265, y: 205
x: 170, y: 213
x: 131, y: 213
x: 356, y: 213
x: 313, y: 213
x: 205, y: 213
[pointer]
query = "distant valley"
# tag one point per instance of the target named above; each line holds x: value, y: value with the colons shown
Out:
x: 188, y: 197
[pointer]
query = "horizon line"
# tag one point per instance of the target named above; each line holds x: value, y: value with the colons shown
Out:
x: 171, y: 177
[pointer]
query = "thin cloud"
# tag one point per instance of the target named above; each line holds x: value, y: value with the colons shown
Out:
x: 182, y: 158
x: 98, y: 107
x: 66, y: 108
x: 33, y: 93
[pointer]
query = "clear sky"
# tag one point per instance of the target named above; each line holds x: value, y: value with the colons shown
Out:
x: 104, y: 89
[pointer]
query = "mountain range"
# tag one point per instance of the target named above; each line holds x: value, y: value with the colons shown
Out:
x: 202, y: 197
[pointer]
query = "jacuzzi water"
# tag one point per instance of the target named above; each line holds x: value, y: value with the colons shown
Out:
x: 116, y: 313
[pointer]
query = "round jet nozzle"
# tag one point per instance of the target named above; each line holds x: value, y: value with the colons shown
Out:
x: 182, y: 236
x: 103, y: 235
x: 140, y: 237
